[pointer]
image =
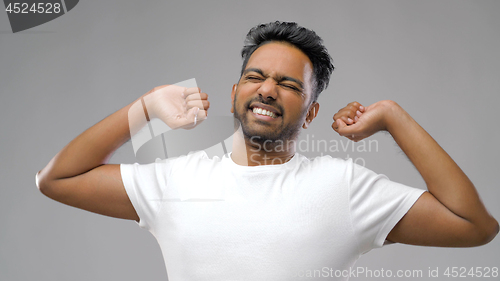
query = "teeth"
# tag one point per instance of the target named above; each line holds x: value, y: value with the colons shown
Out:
x: 264, y: 112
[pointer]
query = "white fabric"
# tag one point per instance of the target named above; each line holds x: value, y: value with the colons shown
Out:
x: 216, y: 220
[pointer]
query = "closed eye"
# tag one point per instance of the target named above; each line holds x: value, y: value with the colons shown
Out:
x: 291, y: 87
x: 254, y: 78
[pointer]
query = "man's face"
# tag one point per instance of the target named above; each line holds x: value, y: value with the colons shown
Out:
x: 273, y: 97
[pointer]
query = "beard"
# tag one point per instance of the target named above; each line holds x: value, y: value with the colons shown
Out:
x: 269, y: 136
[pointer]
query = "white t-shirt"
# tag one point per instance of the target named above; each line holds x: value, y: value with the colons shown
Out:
x: 216, y: 220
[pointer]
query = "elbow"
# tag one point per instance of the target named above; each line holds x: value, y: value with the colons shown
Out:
x: 495, y: 228
x: 488, y: 233
x: 42, y: 184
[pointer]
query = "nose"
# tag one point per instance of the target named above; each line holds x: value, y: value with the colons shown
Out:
x: 268, y: 89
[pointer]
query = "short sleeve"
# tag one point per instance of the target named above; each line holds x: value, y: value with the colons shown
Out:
x: 376, y: 205
x: 145, y: 185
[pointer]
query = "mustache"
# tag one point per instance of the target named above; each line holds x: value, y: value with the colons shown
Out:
x: 272, y: 103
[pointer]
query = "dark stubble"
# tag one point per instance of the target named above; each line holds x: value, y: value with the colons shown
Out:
x: 285, y: 133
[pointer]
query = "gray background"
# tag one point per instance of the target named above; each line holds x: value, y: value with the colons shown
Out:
x: 438, y: 59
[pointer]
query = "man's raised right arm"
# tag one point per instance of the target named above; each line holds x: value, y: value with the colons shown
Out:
x: 79, y: 176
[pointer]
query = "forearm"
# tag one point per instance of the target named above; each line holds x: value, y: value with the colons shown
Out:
x: 443, y: 177
x: 94, y: 146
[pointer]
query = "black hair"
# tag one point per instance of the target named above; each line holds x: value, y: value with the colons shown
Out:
x: 302, y: 38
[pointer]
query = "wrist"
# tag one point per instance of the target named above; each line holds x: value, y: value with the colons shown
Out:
x: 145, y: 109
x: 395, y: 117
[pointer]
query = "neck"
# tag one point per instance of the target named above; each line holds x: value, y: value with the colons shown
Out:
x: 248, y: 152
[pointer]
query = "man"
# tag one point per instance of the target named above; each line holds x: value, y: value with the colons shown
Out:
x: 264, y: 212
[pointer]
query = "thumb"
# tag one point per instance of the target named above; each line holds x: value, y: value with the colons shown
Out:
x: 344, y: 129
x: 341, y: 125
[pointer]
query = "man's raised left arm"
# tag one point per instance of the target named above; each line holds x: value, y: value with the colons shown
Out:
x: 451, y: 214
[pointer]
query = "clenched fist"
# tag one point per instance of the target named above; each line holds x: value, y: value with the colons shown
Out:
x: 178, y: 107
x: 357, y: 122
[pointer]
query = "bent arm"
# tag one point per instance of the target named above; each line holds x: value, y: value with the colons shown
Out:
x: 451, y: 214
x: 454, y: 205
x: 78, y: 174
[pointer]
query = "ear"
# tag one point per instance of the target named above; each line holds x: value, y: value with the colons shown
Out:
x: 311, y: 114
x: 233, y: 93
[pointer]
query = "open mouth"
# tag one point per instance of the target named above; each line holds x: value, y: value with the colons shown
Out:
x: 264, y: 110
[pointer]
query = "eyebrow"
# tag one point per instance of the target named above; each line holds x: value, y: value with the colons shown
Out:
x: 279, y: 78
